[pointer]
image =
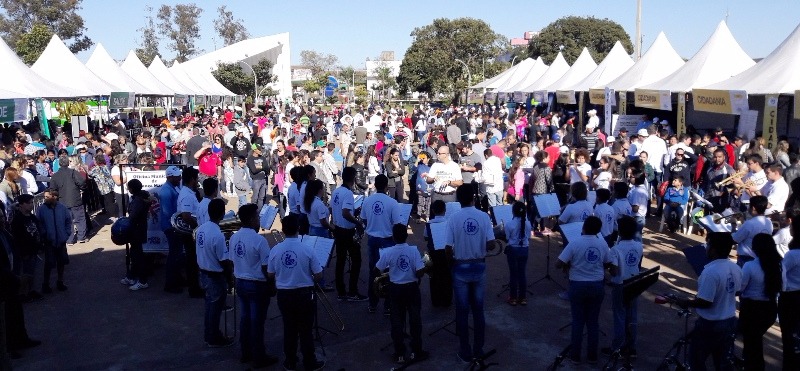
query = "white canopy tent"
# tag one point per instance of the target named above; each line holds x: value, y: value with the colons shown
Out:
x: 557, y: 69
x: 582, y: 67
x: 187, y: 81
x: 500, y: 75
x: 59, y: 65
x: 519, y: 75
x: 615, y: 63
x: 19, y: 81
x: 536, y: 70
x: 136, y: 69
x: 521, y: 66
x: 777, y: 73
x: 720, y: 58
x: 659, y: 61
x: 162, y: 73
x: 101, y: 63
x: 202, y: 78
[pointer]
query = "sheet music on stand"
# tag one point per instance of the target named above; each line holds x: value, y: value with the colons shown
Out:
x: 403, y: 213
x: 323, y: 248
x: 451, y: 208
x: 502, y: 214
x: 547, y: 204
x: 267, y: 216
x: 438, y: 235
x: 573, y: 229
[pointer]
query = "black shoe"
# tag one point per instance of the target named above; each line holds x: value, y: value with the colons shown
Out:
x: 61, y: 286
x: 221, y: 343
x: 227, y: 308
x: 420, y: 355
x: 267, y: 361
x: 45, y: 290
x: 607, y: 351
x: 341, y: 298
x: 399, y: 358
x: 318, y: 365
x: 245, y: 359
x: 631, y: 354
x: 357, y: 297
x: 28, y: 343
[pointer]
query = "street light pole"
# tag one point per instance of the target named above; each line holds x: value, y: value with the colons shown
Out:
x: 469, y: 81
x: 255, y: 81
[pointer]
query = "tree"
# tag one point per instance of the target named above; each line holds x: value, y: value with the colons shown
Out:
x: 31, y: 45
x: 59, y: 16
x: 231, y: 30
x: 384, y: 74
x: 318, y: 63
x: 148, y: 45
x: 575, y: 33
x: 180, y: 25
x: 431, y: 64
x: 240, y: 81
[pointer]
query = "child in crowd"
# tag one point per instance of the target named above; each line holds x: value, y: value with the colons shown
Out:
x: 626, y: 257
x: 607, y: 214
x: 241, y: 180
x: 675, y: 199
x: 518, y: 234
x: 227, y: 169
x: 423, y: 188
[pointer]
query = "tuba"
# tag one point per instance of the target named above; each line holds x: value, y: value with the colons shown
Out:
x: 180, y: 225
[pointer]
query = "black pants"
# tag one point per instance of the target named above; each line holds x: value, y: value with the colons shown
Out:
x: 138, y: 263
x: 441, y: 279
x: 192, y: 270
x: 346, y: 246
x: 396, y: 189
x: 108, y: 204
x: 406, y: 301
x: 118, y: 198
x: 297, y: 308
x: 302, y: 221
x: 755, y: 318
x: 790, y: 323
x: 16, y: 333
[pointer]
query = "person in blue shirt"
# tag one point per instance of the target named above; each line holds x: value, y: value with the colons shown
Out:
x: 518, y: 234
x: 675, y: 199
x: 168, y: 200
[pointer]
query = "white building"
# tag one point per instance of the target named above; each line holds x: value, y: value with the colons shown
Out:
x: 386, y: 60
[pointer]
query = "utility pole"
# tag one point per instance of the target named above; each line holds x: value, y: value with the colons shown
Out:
x: 637, y: 44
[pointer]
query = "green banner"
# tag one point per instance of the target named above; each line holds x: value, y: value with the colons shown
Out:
x: 121, y: 100
x: 42, y: 117
x: 12, y: 110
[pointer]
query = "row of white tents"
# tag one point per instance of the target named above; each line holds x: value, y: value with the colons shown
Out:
x: 58, y: 73
x: 719, y: 77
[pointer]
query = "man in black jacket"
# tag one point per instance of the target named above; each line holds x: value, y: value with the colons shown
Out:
x: 240, y: 143
x: 259, y: 169
x: 69, y: 183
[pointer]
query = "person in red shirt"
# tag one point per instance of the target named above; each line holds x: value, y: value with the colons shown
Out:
x: 209, y: 163
x: 553, y: 152
x: 724, y: 143
x: 228, y: 117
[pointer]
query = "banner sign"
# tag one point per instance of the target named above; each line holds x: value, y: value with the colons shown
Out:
x: 489, y: 96
x: 226, y: 100
x: 720, y: 101
x: 181, y: 100
x: 150, y: 179
x: 200, y: 100
x: 655, y: 99
x: 797, y: 104
x: 42, y: 117
x: 121, y: 100
x: 519, y: 97
x: 609, y: 101
x: 215, y: 100
x: 681, y: 128
x: 540, y: 96
x: 747, y: 124
x: 13, y: 110
x: 623, y: 103
x: 629, y: 122
x: 771, y: 120
x: 565, y: 96
x: 597, y: 96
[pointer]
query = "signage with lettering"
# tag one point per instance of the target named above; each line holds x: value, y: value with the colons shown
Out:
x: 597, y: 96
x: 623, y: 103
x: 681, y: 113
x: 540, y: 96
x: 181, y: 100
x: 720, y: 101
x: 121, y: 100
x: 150, y: 179
x: 629, y: 122
x: 519, y: 97
x: 607, y: 111
x: 565, y: 96
x: 655, y: 99
x: 771, y: 120
x: 199, y: 99
x: 12, y: 110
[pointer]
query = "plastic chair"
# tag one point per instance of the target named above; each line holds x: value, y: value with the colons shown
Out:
x: 686, y: 224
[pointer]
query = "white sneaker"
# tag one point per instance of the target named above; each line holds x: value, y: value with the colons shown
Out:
x: 138, y: 286
x: 127, y: 281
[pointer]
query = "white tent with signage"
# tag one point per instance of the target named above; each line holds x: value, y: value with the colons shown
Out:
x: 557, y: 69
x: 187, y: 81
x: 520, y: 75
x: 616, y: 62
x: 777, y: 73
x: 20, y: 82
x: 59, y: 65
x: 521, y: 66
x: 202, y: 78
x: 582, y: 67
x: 536, y: 70
x: 502, y: 75
x: 720, y: 58
x: 101, y: 63
x: 658, y: 62
x: 162, y: 73
x: 136, y: 69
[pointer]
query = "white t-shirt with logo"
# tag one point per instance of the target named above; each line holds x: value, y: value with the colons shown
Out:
x: 211, y: 247
x: 443, y: 173
x: 718, y: 284
x: 586, y: 256
x: 576, y: 212
x: 318, y: 212
x: 468, y: 230
x: 187, y: 201
x: 293, y: 264
x: 608, y: 216
x: 342, y: 198
x: 403, y: 262
x: 380, y: 211
x: 626, y: 255
x: 248, y: 252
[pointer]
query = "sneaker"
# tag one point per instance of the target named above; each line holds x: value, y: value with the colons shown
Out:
x: 318, y: 365
x: 138, y: 286
x: 357, y: 297
x: 522, y: 301
x: 221, y: 343
x: 341, y: 298
x: 371, y: 309
x: 127, y: 281
x: 61, y: 286
x: 85, y: 240
x: 512, y: 301
x: 400, y: 359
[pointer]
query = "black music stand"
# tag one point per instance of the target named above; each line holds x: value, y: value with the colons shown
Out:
x: 323, y: 253
x: 548, y: 207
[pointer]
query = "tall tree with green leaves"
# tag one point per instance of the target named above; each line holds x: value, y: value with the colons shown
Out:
x: 575, y: 33
x: 230, y: 29
x: 181, y: 26
x: 61, y: 17
x: 431, y: 64
x: 240, y: 80
x: 148, y: 45
x: 31, y: 45
x: 318, y: 63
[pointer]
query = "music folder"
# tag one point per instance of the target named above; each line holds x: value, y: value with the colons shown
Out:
x: 547, y: 205
x: 323, y: 248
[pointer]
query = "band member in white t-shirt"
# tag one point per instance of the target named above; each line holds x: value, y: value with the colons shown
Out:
x: 215, y: 266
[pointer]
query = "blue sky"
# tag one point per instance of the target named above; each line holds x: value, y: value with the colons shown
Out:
x: 360, y: 29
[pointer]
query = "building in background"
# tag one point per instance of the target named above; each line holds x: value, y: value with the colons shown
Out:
x: 382, y: 74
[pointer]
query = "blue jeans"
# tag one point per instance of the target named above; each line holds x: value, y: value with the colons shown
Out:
x: 374, y: 244
x: 255, y: 302
x: 216, y: 289
x: 625, y: 324
x: 585, y: 299
x: 517, y: 261
x: 677, y: 210
x: 639, y: 228
x: 469, y: 284
x: 79, y: 221
x: 319, y: 231
x: 711, y: 338
x: 175, y: 259
x: 259, y: 192
x: 495, y: 199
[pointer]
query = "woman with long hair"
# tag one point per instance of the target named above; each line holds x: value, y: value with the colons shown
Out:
x: 518, y: 233
x: 105, y: 184
x: 10, y: 184
x: 782, y: 154
x: 516, y: 179
x: 361, y: 185
x: 373, y: 168
x: 761, y: 282
x: 541, y: 182
x: 788, y: 315
x: 318, y: 212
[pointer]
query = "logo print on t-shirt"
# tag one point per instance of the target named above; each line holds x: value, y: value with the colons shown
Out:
x: 377, y: 208
x: 631, y: 259
x: 336, y: 200
x: 584, y: 215
x: 403, y: 263
x: 729, y: 284
x: 289, y: 259
x: 592, y: 255
x: 200, y: 239
x: 240, y: 249
x: 470, y: 226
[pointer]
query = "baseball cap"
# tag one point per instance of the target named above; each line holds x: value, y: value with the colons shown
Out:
x: 112, y: 136
x: 611, y: 139
x: 173, y: 171
x: 712, y: 144
x: 556, y: 137
x: 642, y: 133
x: 256, y: 146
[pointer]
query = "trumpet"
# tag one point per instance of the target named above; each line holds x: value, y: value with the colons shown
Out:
x: 729, y: 180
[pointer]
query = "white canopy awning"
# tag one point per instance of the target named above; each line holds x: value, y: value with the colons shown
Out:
x: 203, y: 78
x: 582, y: 67
x: 659, y: 61
x: 534, y: 73
x: 19, y: 81
x: 518, y: 75
x: 101, y: 63
x: 615, y: 63
x: 521, y: 66
x: 502, y: 75
x: 162, y: 73
x: 557, y: 69
x: 136, y: 69
x: 59, y: 65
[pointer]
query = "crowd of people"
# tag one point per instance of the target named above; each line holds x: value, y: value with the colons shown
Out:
x: 344, y: 172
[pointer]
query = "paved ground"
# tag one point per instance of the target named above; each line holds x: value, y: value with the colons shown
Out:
x: 99, y: 324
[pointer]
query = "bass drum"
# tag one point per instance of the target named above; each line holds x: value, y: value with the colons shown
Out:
x: 121, y: 231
